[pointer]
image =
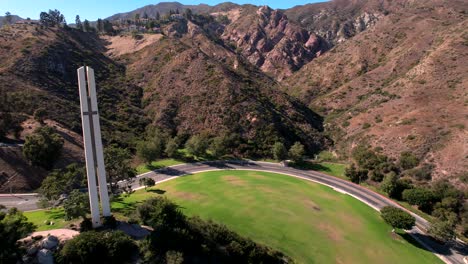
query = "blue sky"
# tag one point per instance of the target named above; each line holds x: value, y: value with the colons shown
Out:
x: 93, y: 9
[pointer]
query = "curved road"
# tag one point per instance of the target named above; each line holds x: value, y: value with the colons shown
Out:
x: 453, y: 253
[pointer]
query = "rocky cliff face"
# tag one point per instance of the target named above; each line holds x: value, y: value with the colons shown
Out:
x: 339, y: 20
x: 271, y: 42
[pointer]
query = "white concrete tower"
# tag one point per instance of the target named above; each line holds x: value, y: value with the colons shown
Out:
x: 93, y: 145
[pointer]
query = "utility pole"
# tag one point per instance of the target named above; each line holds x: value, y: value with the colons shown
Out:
x: 93, y: 145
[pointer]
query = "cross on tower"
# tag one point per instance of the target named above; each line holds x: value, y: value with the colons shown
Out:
x: 93, y: 145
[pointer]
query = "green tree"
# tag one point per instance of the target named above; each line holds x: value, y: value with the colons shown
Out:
x: 13, y: 226
x: 408, y: 160
x: 367, y: 158
x: 108, y: 27
x: 40, y: 114
x: 150, y: 150
x: 100, y: 25
x: 137, y: 19
x: 397, y: 218
x: 158, y: 16
x: 391, y: 186
x: 279, y: 151
x: 118, y: 167
x: 147, y: 182
x: 218, y: 146
x: 296, y: 152
x: 443, y: 231
x: 76, y: 205
x: 356, y: 175
x: 62, y: 181
x: 171, y: 148
x: 421, y: 197
x: 99, y: 247
x: 6, y: 120
x: 87, y: 26
x: 78, y: 23
x: 188, y: 14
x: 8, y: 18
x: 43, y: 147
x: 197, y: 145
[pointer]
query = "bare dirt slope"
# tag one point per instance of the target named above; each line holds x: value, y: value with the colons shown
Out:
x: 124, y: 44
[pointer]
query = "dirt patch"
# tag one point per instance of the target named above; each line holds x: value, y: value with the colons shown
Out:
x: 257, y: 176
x: 120, y: 45
x: 350, y: 220
x: 61, y: 234
x: 265, y: 189
x: 186, y: 195
x: 394, y: 236
x: 234, y: 180
x: 332, y: 233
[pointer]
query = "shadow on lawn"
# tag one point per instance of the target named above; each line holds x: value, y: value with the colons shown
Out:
x: 158, y: 191
x: 56, y: 214
x: 121, y: 207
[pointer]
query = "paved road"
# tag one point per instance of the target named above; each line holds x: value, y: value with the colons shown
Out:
x: 453, y: 253
x: 24, y: 202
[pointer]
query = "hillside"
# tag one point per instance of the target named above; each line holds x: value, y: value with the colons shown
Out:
x: 193, y: 85
x: 400, y: 85
x: 38, y: 71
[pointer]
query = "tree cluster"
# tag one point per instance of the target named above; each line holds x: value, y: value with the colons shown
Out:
x: 193, y: 240
x: 10, y: 123
x: 296, y: 152
x: 43, y: 148
x: 118, y: 168
x: 52, y: 18
x: 441, y: 199
x: 61, y: 183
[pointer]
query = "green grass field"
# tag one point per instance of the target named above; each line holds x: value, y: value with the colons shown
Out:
x: 38, y: 218
x: 309, y: 222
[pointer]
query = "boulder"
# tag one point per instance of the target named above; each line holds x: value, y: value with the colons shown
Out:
x: 50, y: 242
x: 44, y: 256
x: 32, y: 251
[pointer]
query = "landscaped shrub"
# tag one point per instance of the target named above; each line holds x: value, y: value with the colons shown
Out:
x: 99, y: 247
x: 397, y: 218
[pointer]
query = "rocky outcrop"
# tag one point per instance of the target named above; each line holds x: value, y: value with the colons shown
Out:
x: 337, y: 31
x: 339, y: 20
x: 268, y: 40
